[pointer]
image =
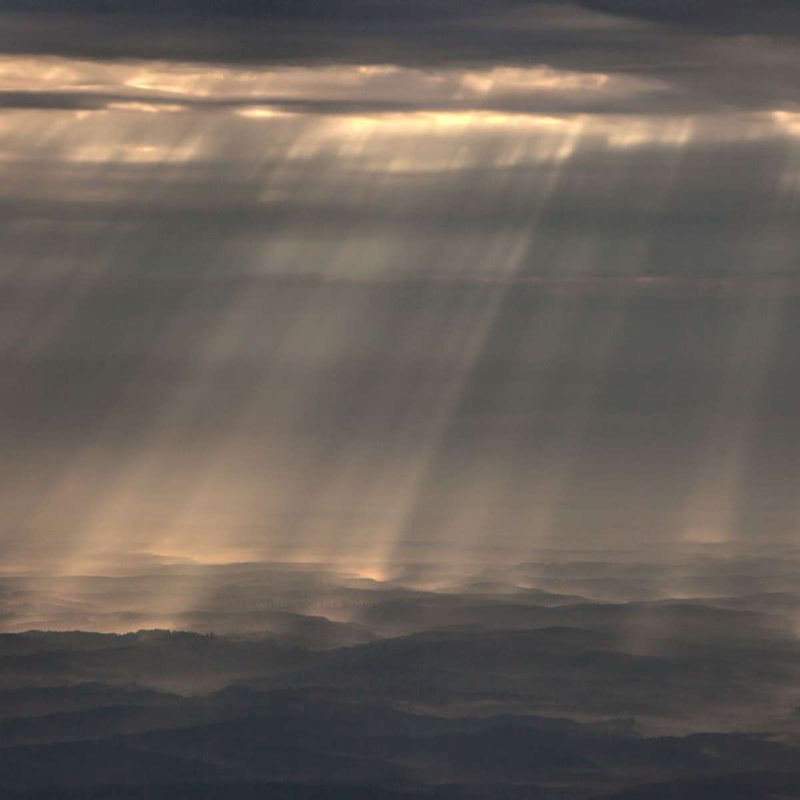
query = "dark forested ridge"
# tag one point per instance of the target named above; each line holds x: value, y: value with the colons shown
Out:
x: 487, y: 692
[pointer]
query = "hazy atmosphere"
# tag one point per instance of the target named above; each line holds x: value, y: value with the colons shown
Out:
x: 406, y: 388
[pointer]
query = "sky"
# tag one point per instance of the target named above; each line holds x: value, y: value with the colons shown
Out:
x: 372, y: 282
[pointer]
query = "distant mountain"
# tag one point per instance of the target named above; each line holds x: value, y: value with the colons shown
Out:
x: 498, y: 696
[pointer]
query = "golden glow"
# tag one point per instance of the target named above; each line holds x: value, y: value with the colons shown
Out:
x: 507, y: 79
x: 99, y: 153
x: 147, y: 108
x: 412, y: 125
x: 261, y: 112
x: 702, y: 535
x: 159, y: 87
x: 641, y: 133
x: 712, y: 505
x: 787, y: 121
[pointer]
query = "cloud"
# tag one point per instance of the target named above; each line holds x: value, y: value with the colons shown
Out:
x: 731, y: 14
x: 267, y: 9
x: 776, y: 17
x: 703, y: 55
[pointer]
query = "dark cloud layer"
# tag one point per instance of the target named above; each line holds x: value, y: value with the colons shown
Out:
x: 708, y: 55
x: 730, y: 16
x: 728, y: 13
x: 267, y: 9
